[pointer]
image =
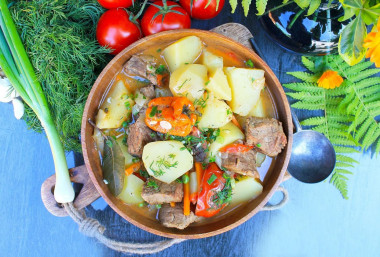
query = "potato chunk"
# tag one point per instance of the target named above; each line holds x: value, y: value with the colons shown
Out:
x: 211, y: 61
x: 188, y: 80
x: 246, y: 189
x: 166, y: 160
x: 228, y: 134
x: 246, y: 85
x: 131, y: 193
x: 116, y: 108
x: 218, y: 85
x: 185, y: 50
x: 216, y: 114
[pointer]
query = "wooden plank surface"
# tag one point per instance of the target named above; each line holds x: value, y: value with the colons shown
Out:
x: 315, y: 222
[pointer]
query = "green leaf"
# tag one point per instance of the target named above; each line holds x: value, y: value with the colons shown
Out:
x: 246, y: 4
x: 356, y: 4
x: 351, y: 41
x: 233, y: 4
x: 371, y: 14
x: 261, y: 5
x: 302, y: 3
x: 113, y: 166
x: 314, y: 5
x: 309, y: 64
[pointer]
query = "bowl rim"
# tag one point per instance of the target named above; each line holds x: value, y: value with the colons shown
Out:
x: 223, y: 229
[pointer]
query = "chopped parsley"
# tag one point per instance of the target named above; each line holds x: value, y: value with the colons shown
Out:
x: 144, y: 173
x: 225, y: 195
x: 153, y: 111
x: 185, y: 179
x: 158, y: 206
x: 127, y: 105
x: 162, y: 164
x: 208, y: 82
x: 183, y: 83
x: 211, y: 179
x: 161, y: 69
x: 135, y: 159
x: 109, y: 143
x: 249, y: 63
x: 158, y: 50
x: 152, y: 184
x: 125, y: 124
x: 229, y: 111
x: 258, y: 145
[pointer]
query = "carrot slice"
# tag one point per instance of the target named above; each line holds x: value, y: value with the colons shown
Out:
x: 186, y: 198
x: 133, y: 168
x: 235, y: 122
x: 172, y: 204
x: 199, y: 171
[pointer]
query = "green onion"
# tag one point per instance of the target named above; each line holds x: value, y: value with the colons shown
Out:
x: 16, y: 65
x: 153, y: 111
x: 249, y: 63
x: 185, y: 179
x: 211, y: 179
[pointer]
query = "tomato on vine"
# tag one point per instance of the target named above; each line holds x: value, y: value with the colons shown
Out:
x: 202, y: 9
x: 117, y: 29
x: 164, y: 15
x: 111, y: 4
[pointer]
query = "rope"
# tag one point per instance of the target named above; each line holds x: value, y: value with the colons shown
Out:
x: 283, y: 201
x: 92, y: 228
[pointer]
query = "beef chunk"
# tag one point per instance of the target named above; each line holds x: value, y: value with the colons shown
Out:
x: 173, y: 217
x: 139, y: 135
x: 157, y: 192
x: 148, y: 91
x: 142, y: 66
x: 266, y: 135
x: 242, y: 163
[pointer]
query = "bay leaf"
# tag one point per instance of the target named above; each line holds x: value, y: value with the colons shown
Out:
x: 113, y: 166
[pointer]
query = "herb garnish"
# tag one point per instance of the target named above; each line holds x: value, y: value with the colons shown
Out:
x: 249, y: 63
x: 183, y: 83
x: 224, y: 196
x: 161, y: 69
x: 211, y: 179
x: 152, y: 184
x: 127, y: 105
x: 185, y: 179
x: 162, y: 164
x: 153, y: 111
x: 258, y: 145
x: 159, y: 50
x: 229, y: 111
x: 208, y: 82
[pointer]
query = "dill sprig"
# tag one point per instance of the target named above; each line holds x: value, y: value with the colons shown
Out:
x: 59, y: 37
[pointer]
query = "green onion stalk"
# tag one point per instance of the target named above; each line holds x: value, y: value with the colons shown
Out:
x: 16, y: 65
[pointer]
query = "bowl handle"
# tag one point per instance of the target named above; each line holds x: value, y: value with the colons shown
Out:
x: 86, y: 194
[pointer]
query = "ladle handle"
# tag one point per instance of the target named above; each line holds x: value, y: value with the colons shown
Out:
x: 296, y: 122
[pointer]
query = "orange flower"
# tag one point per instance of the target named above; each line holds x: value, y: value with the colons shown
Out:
x: 330, y: 79
x: 372, y: 42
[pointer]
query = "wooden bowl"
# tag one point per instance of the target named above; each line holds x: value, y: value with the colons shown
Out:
x: 217, y: 226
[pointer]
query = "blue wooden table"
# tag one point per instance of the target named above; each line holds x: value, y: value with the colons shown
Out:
x: 315, y: 222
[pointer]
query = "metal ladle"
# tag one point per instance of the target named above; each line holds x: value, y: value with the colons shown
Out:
x: 313, y: 157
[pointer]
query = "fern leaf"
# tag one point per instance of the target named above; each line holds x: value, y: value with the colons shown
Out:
x: 340, y: 183
x: 307, y: 77
x: 246, y: 4
x: 308, y: 106
x: 344, y: 165
x: 311, y: 97
x: 233, y: 4
x: 344, y: 158
x: 357, y: 68
x: 342, y: 149
x: 309, y: 64
x: 309, y: 87
x: 362, y: 75
x: 362, y: 129
x: 261, y: 5
x: 314, y: 121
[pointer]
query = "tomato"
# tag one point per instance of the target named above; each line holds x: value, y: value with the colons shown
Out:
x: 116, y: 30
x: 216, y: 191
x: 168, y: 115
x: 171, y: 20
x: 202, y: 9
x: 110, y: 4
x: 235, y: 148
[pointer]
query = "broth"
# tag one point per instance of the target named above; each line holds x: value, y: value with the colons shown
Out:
x: 229, y: 60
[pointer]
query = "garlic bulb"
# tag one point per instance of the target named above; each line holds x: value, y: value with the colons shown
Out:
x: 7, y: 92
x: 18, y: 108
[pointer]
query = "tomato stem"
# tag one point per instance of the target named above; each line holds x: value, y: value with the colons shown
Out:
x: 133, y: 18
